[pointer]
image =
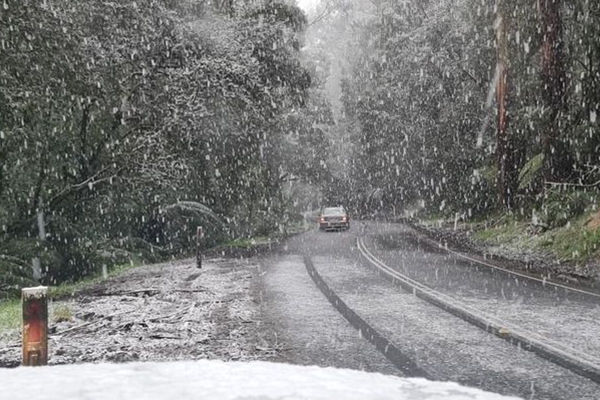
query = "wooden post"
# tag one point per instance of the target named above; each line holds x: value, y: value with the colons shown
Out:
x: 35, y: 326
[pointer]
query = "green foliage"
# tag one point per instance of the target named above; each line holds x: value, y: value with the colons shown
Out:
x: 62, y: 313
x: 562, y: 206
x: 14, y: 272
x: 246, y: 243
x: 128, y: 122
x: 566, y: 237
x: 419, y: 97
x: 504, y: 233
x: 530, y: 170
x: 575, y: 243
x: 199, y: 212
x: 10, y: 314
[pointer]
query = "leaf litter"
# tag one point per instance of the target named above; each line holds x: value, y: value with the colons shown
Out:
x: 162, y: 312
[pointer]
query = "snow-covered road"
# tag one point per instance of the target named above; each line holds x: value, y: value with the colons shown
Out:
x: 309, y: 331
x: 569, y: 318
x: 443, y: 345
x: 268, y: 308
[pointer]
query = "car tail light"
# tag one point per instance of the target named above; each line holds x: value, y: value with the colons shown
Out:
x: 344, y: 218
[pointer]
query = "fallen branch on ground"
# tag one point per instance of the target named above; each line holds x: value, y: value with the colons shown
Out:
x: 169, y: 316
x: 90, y: 323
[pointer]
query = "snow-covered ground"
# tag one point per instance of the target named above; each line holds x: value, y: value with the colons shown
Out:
x: 220, y: 380
x: 162, y: 312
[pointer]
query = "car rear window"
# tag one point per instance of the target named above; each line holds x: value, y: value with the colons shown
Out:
x: 333, y: 211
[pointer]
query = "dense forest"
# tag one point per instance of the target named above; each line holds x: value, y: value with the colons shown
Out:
x: 471, y: 106
x: 124, y: 125
x: 475, y: 112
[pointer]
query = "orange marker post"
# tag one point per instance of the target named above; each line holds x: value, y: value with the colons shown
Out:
x: 35, y: 325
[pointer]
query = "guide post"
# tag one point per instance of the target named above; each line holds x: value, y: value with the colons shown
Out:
x: 35, y: 325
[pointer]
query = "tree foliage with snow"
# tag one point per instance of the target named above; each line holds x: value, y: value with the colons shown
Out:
x: 111, y: 112
x: 452, y: 100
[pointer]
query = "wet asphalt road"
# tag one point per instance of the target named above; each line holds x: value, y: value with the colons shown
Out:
x: 300, y: 321
x: 569, y: 318
x: 443, y: 345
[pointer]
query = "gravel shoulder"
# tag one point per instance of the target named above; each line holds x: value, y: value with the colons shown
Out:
x: 161, y: 312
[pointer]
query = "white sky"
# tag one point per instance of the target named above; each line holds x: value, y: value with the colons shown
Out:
x: 307, y: 5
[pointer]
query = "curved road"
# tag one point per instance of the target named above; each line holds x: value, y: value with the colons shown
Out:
x: 568, y: 318
x: 444, y: 346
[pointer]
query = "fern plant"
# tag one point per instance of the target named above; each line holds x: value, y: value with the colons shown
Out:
x: 530, y: 171
x: 196, y: 209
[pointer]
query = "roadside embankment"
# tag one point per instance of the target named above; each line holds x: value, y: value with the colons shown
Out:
x: 569, y: 254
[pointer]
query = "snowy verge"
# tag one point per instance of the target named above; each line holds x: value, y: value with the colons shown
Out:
x: 162, y: 312
x: 220, y: 380
x: 526, y: 260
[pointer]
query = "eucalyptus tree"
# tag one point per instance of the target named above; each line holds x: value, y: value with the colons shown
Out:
x: 431, y: 75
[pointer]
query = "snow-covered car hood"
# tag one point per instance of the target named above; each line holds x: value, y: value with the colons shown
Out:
x: 220, y: 380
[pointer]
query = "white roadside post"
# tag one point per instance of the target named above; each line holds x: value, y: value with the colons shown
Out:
x: 34, y: 302
x: 199, y: 237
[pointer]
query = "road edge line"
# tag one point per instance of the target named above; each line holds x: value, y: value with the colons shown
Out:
x: 557, y: 356
x: 387, y: 348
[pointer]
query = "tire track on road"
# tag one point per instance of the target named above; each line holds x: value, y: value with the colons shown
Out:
x: 388, y: 349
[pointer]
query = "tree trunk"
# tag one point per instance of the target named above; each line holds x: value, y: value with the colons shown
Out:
x: 505, y: 149
x: 554, y: 79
